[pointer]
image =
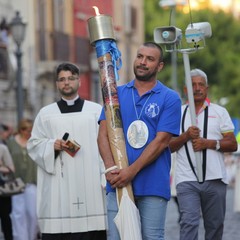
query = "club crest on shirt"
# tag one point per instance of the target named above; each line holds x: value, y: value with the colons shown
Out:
x: 152, y: 110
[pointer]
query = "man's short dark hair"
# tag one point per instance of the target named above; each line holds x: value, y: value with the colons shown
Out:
x: 155, y: 45
x: 67, y: 67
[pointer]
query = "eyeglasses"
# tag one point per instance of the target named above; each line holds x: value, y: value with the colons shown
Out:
x: 70, y: 78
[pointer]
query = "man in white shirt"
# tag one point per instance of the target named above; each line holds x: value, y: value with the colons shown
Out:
x: 213, y: 135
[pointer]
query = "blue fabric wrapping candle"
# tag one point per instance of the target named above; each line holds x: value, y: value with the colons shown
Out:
x: 110, y: 46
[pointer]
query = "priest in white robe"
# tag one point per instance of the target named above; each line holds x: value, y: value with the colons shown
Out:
x: 70, y: 198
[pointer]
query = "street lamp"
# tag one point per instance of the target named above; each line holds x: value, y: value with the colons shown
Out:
x: 18, y: 34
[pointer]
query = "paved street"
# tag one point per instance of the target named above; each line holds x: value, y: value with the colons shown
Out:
x: 232, y: 222
x: 231, y: 228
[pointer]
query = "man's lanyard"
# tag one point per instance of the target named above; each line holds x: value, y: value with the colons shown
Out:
x: 204, y: 136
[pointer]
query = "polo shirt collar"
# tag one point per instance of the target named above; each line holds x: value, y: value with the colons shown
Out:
x: 157, y: 88
x: 205, y: 104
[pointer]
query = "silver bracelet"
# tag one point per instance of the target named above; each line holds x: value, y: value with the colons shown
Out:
x: 110, y: 169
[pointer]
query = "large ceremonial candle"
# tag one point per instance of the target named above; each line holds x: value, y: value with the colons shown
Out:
x: 102, y: 38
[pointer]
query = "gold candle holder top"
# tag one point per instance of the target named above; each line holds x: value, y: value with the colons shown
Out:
x: 100, y: 27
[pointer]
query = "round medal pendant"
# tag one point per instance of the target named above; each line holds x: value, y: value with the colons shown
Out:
x: 137, y: 134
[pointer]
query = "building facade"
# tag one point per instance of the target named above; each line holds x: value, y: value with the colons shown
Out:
x: 56, y: 32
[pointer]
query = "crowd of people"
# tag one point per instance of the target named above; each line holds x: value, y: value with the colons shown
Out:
x: 18, y: 212
x: 65, y: 197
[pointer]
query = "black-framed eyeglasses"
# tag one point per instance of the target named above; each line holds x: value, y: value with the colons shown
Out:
x: 70, y: 78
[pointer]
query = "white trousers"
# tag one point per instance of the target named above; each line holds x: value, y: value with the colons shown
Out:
x: 24, y: 214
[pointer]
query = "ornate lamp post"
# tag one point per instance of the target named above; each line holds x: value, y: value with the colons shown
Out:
x: 18, y: 34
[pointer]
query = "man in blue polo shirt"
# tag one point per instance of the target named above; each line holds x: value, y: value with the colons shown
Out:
x: 151, y: 115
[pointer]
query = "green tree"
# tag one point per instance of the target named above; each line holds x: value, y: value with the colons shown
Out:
x: 219, y: 59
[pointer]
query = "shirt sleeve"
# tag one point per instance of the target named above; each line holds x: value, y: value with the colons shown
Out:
x: 40, y: 148
x: 6, y: 158
x: 226, y: 124
x: 102, y: 116
x: 171, y: 115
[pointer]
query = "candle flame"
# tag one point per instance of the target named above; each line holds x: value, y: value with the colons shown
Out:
x: 96, y: 10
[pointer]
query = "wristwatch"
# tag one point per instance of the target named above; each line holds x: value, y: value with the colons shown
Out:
x: 218, y: 145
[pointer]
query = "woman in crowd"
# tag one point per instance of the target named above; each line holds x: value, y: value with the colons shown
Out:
x: 6, y: 165
x: 24, y: 218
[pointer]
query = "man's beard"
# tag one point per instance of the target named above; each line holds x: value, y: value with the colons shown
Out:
x: 144, y: 78
x: 68, y: 94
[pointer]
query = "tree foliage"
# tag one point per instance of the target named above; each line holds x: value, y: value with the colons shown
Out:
x: 219, y: 59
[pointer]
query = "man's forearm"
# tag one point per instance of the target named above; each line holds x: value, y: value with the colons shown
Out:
x: 177, y: 142
x: 104, y: 147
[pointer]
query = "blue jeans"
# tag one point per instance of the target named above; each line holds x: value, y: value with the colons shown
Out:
x: 152, y: 212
